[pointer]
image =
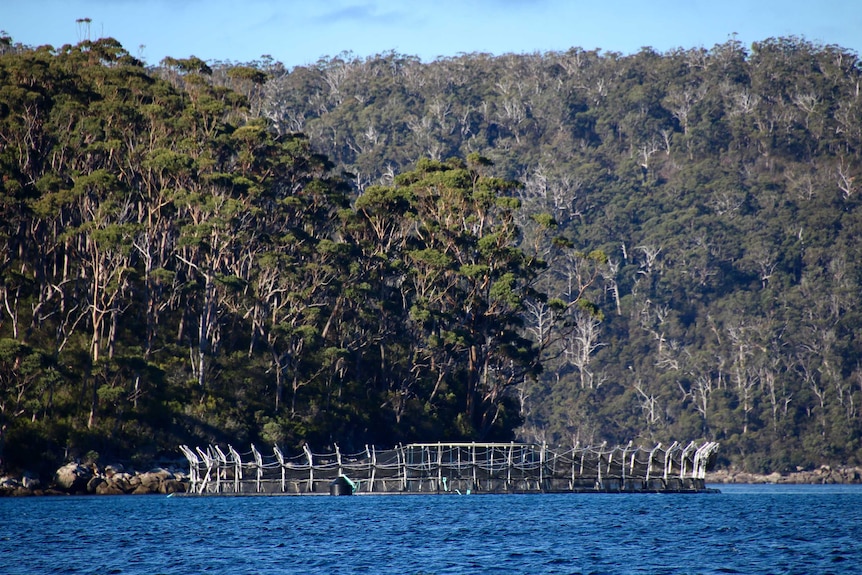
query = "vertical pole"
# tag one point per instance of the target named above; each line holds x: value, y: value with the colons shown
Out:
x: 373, y: 467
x: 599, y: 466
x: 208, y: 462
x: 649, y: 463
x: 280, y: 457
x: 488, y: 459
x: 369, y: 466
x: 475, y: 477
x: 425, y: 465
x: 668, y: 459
x: 683, y: 459
x: 220, y: 459
x: 509, y: 470
x: 439, y: 465
x: 193, y: 466
x: 259, y: 461
x: 237, y: 468
x: 402, y: 462
x: 696, y: 463
x: 310, y: 487
x: 623, y: 467
x: 542, y: 467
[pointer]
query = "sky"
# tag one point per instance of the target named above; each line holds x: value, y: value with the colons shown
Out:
x: 300, y: 32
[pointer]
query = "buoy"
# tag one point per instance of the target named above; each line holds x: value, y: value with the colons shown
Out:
x: 341, y: 485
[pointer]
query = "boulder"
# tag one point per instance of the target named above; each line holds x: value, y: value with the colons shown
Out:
x: 162, y: 473
x: 72, y: 478
x: 113, y: 469
x: 121, y: 483
x: 172, y: 486
x: 151, y: 480
x: 145, y: 490
x: 108, y: 488
x: 7, y: 482
x: 30, y: 481
x: 8, y: 486
x: 93, y: 484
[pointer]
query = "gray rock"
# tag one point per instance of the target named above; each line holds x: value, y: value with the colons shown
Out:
x: 9, y: 483
x: 73, y: 478
x: 151, y: 480
x: 121, y: 484
x: 172, y: 486
x: 161, y: 473
x: 30, y: 481
x: 145, y: 490
x: 113, y: 469
x: 108, y: 488
x: 93, y: 484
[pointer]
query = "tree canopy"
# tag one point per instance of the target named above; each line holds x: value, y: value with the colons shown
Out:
x: 571, y: 247
x: 720, y: 186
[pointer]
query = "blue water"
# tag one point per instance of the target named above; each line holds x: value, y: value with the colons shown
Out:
x: 745, y: 529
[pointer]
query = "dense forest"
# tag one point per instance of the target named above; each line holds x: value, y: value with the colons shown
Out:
x: 569, y: 247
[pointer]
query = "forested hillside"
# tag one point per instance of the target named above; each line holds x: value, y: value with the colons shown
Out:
x: 721, y: 185
x: 561, y: 247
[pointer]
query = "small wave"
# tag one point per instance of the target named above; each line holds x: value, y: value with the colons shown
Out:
x: 439, y: 536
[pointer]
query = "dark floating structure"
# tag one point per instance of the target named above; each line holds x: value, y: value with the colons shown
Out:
x: 453, y: 468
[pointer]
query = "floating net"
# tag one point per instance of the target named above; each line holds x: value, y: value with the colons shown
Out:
x: 453, y: 468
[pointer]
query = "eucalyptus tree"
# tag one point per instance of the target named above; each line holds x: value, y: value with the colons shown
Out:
x: 297, y: 269
x: 465, y: 284
x: 212, y: 208
x: 76, y: 150
x: 25, y: 105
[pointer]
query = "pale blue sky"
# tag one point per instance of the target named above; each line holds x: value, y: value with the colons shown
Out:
x: 298, y: 32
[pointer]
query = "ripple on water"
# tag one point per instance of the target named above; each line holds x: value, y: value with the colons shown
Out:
x: 755, y: 531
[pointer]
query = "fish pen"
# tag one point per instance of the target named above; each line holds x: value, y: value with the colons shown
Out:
x: 454, y: 468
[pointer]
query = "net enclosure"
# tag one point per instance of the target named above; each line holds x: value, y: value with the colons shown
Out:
x: 456, y: 468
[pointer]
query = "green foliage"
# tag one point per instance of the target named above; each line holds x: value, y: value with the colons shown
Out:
x: 703, y: 189
x: 563, y: 247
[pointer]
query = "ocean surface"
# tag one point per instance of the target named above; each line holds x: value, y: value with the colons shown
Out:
x: 744, y: 529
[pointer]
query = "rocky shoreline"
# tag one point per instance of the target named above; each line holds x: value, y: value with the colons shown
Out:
x: 824, y: 475
x: 78, y: 479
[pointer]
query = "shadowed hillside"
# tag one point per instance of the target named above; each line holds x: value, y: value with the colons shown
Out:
x: 566, y: 247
